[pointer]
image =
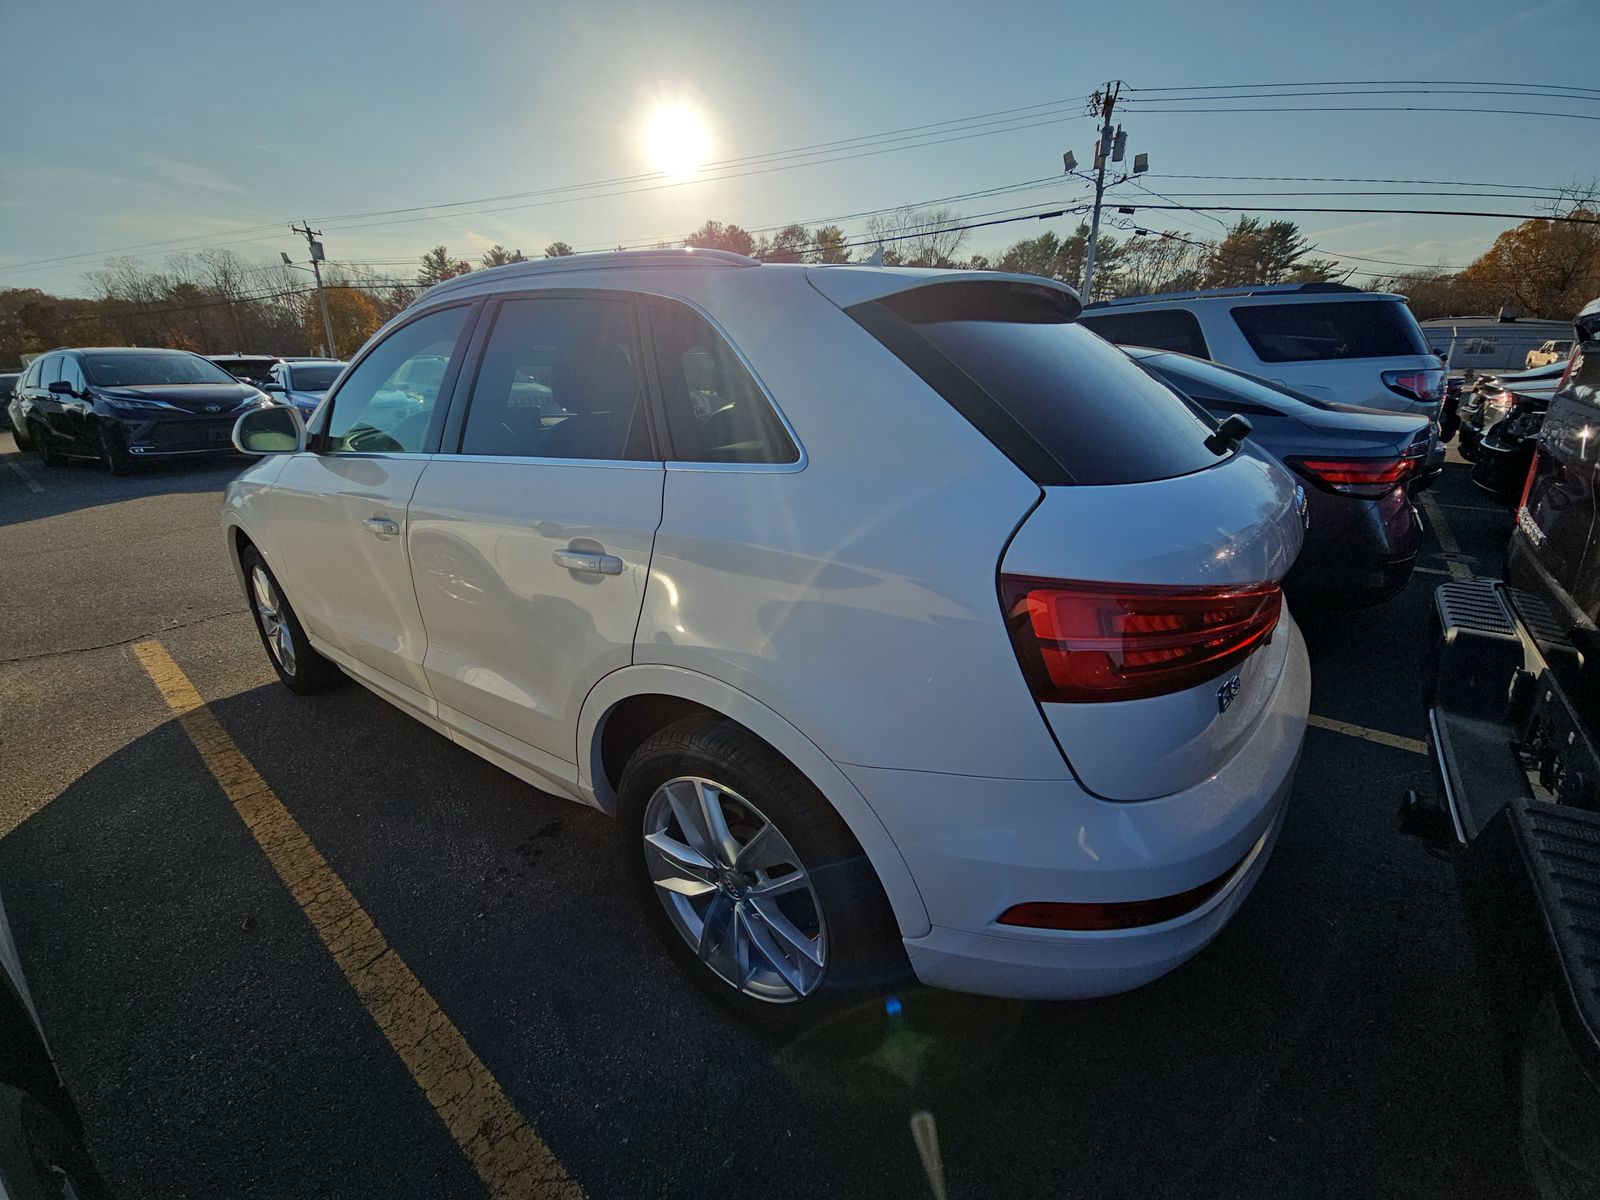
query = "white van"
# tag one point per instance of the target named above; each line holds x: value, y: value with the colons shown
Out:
x: 1328, y: 340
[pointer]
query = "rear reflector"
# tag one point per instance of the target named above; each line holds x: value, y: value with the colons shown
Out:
x: 1081, y: 642
x: 1370, y: 477
x: 1128, y: 914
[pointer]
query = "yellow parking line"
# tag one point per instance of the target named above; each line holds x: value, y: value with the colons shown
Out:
x: 1446, y: 536
x: 1368, y: 735
x: 503, y: 1148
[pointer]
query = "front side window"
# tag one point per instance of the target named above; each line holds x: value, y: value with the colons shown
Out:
x: 50, y: 371
x: 716, y: 413
x: 1161, y: 329
x: 389, y: 404
x: 1330, y: 330
x: 559, y: 379
x: 71, y: 372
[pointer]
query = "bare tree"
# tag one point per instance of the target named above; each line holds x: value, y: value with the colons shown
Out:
x: 917, y: 236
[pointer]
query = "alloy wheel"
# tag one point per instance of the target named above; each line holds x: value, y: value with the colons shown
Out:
x: 274, y: 628
x: 734, y: 889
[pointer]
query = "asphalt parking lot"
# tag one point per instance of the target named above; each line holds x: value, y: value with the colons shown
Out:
x: 1330, y: 1042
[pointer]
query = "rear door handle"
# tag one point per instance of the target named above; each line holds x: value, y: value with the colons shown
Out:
x: 382, y: 527
x: 588, y: 561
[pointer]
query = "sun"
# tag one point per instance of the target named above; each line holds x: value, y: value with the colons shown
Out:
x: 676, y: 139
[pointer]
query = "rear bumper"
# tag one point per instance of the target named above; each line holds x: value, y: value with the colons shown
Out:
x: 977, y: 846
x: 1357, y: 552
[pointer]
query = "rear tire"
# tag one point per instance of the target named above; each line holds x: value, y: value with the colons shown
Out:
x: 778, y: 916
x: 300, y: 667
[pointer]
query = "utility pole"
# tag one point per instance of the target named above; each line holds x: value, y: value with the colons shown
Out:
x: 1102, y: 153
x: 311, y: 236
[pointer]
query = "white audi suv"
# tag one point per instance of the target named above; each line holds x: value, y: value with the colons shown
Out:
x: 906, y: 626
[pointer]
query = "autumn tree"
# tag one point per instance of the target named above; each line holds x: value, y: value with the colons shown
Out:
x: 557, y: 250
x: 1257, y: 251
x: 437, y: 266
x: 354, y: 317
x: 1063, y: 258
x: 831, y: 246
x: 1546, y: 268
x: 714, y: 235
x: 789, y: 244
x: 498, y: 256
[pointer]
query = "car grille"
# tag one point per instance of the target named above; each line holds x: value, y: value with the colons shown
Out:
x: 190, y: 435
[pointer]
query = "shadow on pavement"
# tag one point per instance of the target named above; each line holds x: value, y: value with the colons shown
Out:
x: 77, y: 485
x: 1329, y: 1042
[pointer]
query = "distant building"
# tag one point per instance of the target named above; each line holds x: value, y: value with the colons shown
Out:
x: 1490, y: 343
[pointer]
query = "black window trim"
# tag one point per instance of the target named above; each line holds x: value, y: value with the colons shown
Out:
x: 317, y: 437
x: 648, y: 300
x: 455, y: 426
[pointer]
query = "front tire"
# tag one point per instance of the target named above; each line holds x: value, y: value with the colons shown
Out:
x: 44, y: 447
x: 301, y: 668
x: 112, y: 457
x: 19, y: 434
x: 755, y: 884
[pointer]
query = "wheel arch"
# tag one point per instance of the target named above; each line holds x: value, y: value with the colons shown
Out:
x: 635, y: 701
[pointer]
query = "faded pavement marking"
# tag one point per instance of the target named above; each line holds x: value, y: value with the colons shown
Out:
x: 502, y: 1147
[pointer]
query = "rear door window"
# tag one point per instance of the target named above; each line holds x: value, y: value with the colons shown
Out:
x: 559, y: 379
x: 1063, y: 404
x: 1330, y: 330
x: 1160, y: 329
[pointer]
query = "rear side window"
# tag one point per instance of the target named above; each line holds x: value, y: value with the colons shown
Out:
x: 1162, y: 329
x: 1347, y: 329
x: 715, y: 411
x: 1064, y: 405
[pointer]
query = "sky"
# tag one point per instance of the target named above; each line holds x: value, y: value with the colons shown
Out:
x: 221, y: 122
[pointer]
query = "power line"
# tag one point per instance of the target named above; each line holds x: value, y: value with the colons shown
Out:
x: 914, y: 137
x: 1392, y: 212
x: 1387, y: 108
x: 1348, y: 179
x: 1225, y: 87
x: 1439, y: 91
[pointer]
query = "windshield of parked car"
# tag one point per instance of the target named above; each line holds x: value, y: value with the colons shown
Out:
x: 130, y: 369
x: 1330, y: 329
x: 317, y: 378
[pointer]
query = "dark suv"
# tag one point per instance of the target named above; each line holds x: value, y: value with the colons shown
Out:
x: 1513, y: 699
x: 122, y: 404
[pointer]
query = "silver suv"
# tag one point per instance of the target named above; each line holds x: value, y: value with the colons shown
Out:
x: 1328, y: 340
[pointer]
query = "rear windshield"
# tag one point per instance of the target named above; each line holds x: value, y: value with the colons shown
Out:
x: 256, y: 370
x: 1340, y: 329
x: 128, y: 369
x: 1206, y: 380
x: 314, y: 379
x: 1066, y: 406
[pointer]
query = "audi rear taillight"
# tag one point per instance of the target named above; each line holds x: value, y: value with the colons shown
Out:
x: 1368, y: 477
x: 1425, y: 383
x: 1087, y: 642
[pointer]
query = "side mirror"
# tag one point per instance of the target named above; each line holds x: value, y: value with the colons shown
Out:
x: 273, y: 385
x: 275, y: 430
x: 61, y: 387
x: 1228, y: 435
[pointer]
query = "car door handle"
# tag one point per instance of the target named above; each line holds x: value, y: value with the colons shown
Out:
x: 588, y: 561
x: 382, y: 527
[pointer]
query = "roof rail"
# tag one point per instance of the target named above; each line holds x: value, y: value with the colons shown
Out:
x: 672, y: 256
x: 1260, y: 289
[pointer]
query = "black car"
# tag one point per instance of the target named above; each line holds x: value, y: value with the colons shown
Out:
x: 1364, y: 534
x: 1513, y: 695
x: 1492, y: 397
x: 123, y: 405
